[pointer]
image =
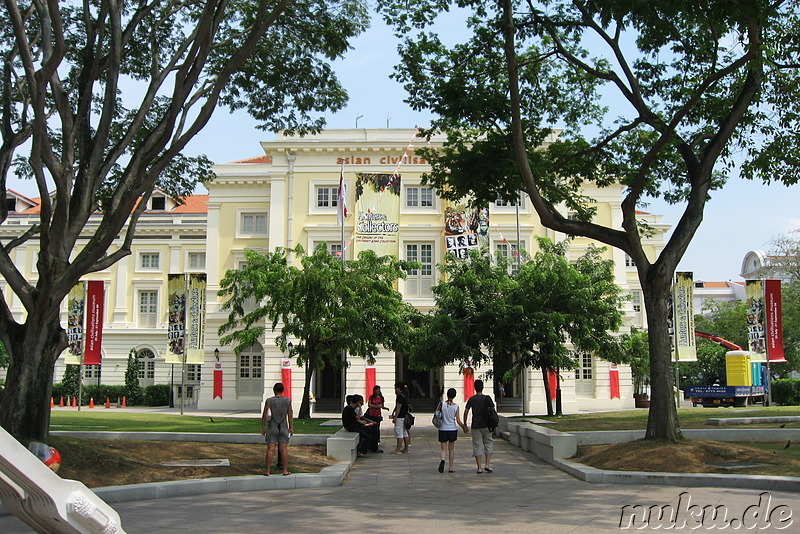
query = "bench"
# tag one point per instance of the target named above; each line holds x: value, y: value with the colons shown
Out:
x: 343, y: 446
x: 46, y: 502
x: 546, y: 443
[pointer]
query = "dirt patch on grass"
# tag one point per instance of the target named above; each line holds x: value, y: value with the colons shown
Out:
x: 100, y: 462
x: 693, y: 456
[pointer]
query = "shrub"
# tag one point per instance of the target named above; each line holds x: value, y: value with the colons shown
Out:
x: 157, y: 395
x: 786, y: 391
x: 133, y: 391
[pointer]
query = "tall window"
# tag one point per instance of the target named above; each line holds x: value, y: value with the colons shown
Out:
x: 334, y: 247
x: 253, y: 223
x: 584, y: 376
x: 418, y: 196
x: 503, y: 203
x: 419, y: 281
x: 636, y: 299
x: 148, y: 309
x: 196, y: 261
x: 193, y: 372
x: 629, y: 263
x: 511, y: 251
x: 327, y: 196
x: 91, y: 374
x: 147, y: 367
x: 250, y: 379
x: 149, y: 260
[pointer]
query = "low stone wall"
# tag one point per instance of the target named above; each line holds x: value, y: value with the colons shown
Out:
x: 343, y: 446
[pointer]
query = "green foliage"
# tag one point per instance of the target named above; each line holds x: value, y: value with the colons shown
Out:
x: 786, y: 391
x: 325, y: 306
x: 3, y: 355
x: 637, y: 355
x: 133, y: 391
x: 157, y: 395
x: 70, y: 382
x: 482, y: 311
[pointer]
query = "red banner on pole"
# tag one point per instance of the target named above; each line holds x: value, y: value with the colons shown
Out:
x: 614, y: 379
x: 371, y: 379
x: 217, y: 381
x: 469, y: 382
x: 552, y: 383
x: 772, y: 300
x: 286, y: 377
x: 95, y: 295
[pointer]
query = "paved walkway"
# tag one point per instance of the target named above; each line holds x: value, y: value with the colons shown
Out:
x: 406, y: 493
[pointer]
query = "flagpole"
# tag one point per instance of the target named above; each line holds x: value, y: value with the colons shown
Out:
x: 83, y: 350
x: 183, y: 347
x: 342, y: 209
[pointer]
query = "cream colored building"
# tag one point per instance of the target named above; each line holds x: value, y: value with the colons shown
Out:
x: 285, y: 196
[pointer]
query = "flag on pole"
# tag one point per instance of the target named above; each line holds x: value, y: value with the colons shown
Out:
x: 195, y: 318
x: 95, y: 295
x: 76, y: 304
x: 341, y: 211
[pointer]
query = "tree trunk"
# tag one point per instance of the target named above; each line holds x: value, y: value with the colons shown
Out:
x: 662, y: 420
x: 33, y: 351
x: 546, y: 380
x: 305, y: 404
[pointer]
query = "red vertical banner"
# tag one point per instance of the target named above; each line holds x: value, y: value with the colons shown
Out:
x: 552, y: 383
x: 95, y: 296
x: 217, y: 381
x: 286, y: 377
x: 614, y: 381
x: 469, y: 381
x: 371, y: 379
x: 774, y: 320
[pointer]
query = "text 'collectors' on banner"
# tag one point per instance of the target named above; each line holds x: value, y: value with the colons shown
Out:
x: 378, y: 214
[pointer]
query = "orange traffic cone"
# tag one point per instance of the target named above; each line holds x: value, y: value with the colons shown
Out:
x: 52, y: 404
x: 108, y: 402
x: 74, y: 402
x: 124, y: 402
x: 91, y: 402
x: 61, y: 402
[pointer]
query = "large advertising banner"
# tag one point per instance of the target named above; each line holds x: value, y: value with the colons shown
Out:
x: 756, y: 331
x: 685, y: 349
x: 377, y: 213
x: 466, y: 229
x: 195, y: 318
x: 774, y: 317
x: 95, y: 295
x: 76, y: 304
x: 176, y: 327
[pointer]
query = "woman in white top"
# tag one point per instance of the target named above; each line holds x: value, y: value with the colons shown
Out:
x: 448, y: 432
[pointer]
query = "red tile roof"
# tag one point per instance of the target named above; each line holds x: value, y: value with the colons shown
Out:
x: 256, y: 159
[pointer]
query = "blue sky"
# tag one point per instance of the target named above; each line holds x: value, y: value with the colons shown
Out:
x: 739, y: 218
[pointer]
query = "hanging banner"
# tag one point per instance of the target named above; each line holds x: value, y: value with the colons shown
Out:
x: 774, y: 320
x: 286, y: 377
x: 176, y: 330
x: 76, y: 304
x: 195, y: 318
x: 217, y: 381
x: 685, y: 350
x: 756, y: 331
x: 614, y: 381
x: 469, y: 381
x: 370, y: 378
x: 466, y: 229
x: 95, y: 295
x: 552, y: 383
x: 377, y: 213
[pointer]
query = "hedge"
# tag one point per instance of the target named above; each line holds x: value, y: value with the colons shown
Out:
x: 157, y: 395
x: 786, y: 391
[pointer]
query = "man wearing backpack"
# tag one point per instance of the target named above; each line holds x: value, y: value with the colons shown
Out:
x: 479, y: 404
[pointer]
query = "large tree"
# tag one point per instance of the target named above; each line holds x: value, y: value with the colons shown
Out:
x: 103, y: 96
x: 541, y: 313
x: 695, y: 85
x: 323, y: 307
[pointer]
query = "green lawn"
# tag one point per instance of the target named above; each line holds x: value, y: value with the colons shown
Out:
x: 688, y: 417
x: 150, y: 422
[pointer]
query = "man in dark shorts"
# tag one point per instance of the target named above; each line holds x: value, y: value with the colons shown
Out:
x: 277, y: 424
x: 481, y: 436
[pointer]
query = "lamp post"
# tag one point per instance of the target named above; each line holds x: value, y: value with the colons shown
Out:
x: 216, y: 354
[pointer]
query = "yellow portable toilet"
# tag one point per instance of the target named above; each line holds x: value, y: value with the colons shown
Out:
x: 739, y: 372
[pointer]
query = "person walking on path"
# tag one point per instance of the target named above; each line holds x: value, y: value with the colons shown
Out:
x: 398, y: 419
x: 481, y: 436
x: 277, y: 424
x: 448, y: 432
